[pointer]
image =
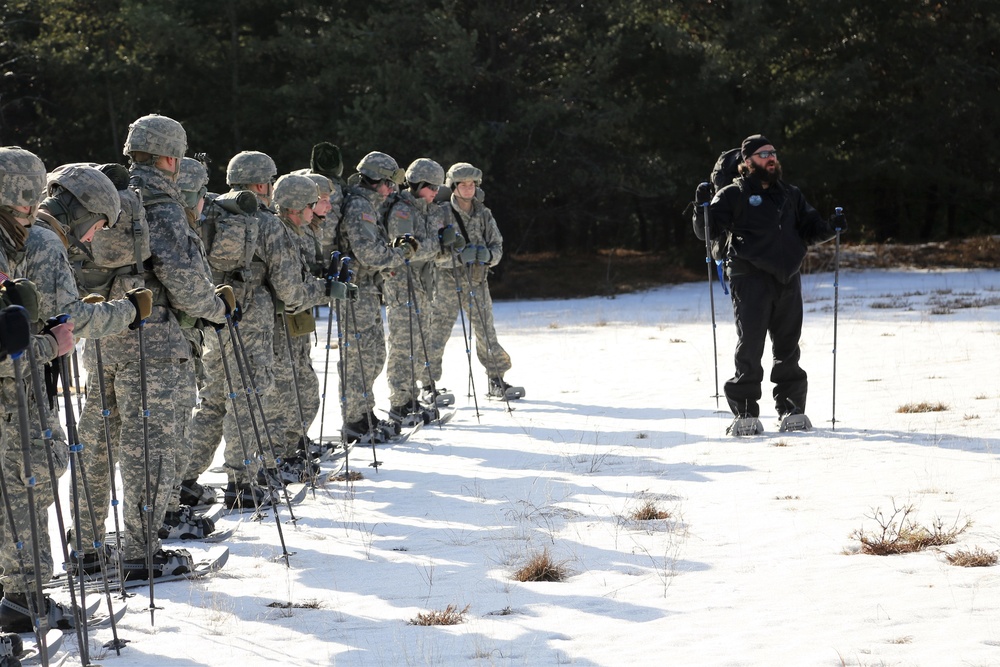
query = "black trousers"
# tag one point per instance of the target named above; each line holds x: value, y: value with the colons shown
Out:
x: 762, y: 305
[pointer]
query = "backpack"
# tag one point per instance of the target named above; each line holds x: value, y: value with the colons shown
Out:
x: 725, y: 172
x: 227, y: 229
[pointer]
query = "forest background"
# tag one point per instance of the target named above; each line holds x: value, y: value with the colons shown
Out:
x: 593, y: 121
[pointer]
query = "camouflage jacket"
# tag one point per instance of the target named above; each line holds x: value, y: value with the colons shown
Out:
x: 176, y: 273
x: 44, y: 348
x: 363, y: 236
x: 59, y: 292
x: 412, y: 215
x: 289, y: 280
x: 477, y: 228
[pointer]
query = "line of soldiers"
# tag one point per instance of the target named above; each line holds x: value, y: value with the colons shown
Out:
x: 183, y: 297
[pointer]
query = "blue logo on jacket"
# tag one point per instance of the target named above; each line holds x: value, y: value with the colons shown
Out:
x: 755, y: 200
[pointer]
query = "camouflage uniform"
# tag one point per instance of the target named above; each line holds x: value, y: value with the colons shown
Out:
x: 282, y: 405
x: 481, y: 230
x: 410, y: 320
x: 273, y: 273
x: 365, y: 240
x: 23, y: 184
x: 14, y: 578
x: 182, y: 291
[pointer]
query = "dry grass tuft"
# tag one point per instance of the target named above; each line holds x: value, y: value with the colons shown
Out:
x: 649, y: 512
x: 541, y: 567
x: 450, y: 615
x: 352, y: 476
x: 898, y: 534
x: 975, y: 558
x: 308, y: 604
x: 923, y: 406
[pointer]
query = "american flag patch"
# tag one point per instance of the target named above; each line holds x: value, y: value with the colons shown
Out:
x: 368, y: 217
x: 4, y: 277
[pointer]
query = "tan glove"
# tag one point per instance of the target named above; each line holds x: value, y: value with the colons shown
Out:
x: 142, y: 299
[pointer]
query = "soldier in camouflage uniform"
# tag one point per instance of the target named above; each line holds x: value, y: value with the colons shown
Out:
x: 183, y: 292
x: 479, y: 246
x: 364, y: 238
x: 326, y: 160
x: 272, y: 274
x: 295, y: 197
x: 22, y: 186
x: 412, y: 212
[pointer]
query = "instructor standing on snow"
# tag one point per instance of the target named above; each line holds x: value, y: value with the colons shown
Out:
x: 766, y: 225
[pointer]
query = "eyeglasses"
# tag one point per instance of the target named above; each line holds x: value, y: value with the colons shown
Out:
x: 435, y: 188
x: 763, y: 155
x: 312, y: 204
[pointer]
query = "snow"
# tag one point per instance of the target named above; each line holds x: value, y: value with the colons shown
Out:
x: 758, y: 562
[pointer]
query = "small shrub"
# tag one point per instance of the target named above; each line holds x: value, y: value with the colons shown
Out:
x: 641, y: 436
x: 975, y: 558
x: 898, y: 534
x: 649, y: 512
x: 541, y: 567
x: 923, y: 406
x: 450, y: 615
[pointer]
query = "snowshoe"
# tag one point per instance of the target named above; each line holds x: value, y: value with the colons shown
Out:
x: 185, y: 525
x: 380, y: 431
x: 794, y: 421
x: 500, y: 389
x: 11, y: 646
x: 246, y: 497
x: 194, y: 494
x: 165, y: 563
x: 744, y: 426
x: 316, y: 450
x: 438, y: 398
x: 407, y: 416
x: 15, y: 617
x: 291, y: 470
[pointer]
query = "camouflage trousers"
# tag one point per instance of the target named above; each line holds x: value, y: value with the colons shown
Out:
x: 168, y: 386
x: 448, y: 299
x: 218, y: 416
x: 363, y: 352
x: 409, y: 337
x: 287, y: 427
x: 187, y: 395
x: 17, y: 578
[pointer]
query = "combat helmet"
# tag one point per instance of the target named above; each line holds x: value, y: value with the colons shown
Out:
x: 192, y: 181
x: 324, y: 184
x: 80, y: 195
x: 22, y: 180
x: 463, y: 171
x: 425, y: 170
x: 380, y: 167
x: 294, y: 192
x: 249, y: 167
x: 156, y: 135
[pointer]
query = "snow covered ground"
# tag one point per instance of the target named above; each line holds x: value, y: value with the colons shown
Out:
x: 757, y: 563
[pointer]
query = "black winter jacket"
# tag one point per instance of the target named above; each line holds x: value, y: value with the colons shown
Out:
x: 770, y: 229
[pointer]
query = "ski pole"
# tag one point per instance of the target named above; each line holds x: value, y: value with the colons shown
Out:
x: 331, y: 273
x: 838, y: 215
x: 243, y: 363
x: 341, y: 365
x: 482, y: 323
x: 19, y: 319
x: 466, y: 334
x: 423, y: 338
x: 361, y: 369
x: 711, y: 297
x: 106, y: 417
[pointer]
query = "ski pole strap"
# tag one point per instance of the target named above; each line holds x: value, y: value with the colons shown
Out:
x: 722, y: 276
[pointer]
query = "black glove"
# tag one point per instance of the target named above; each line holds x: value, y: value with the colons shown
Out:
x: 142, y: 299
x: 838, y: 220
x: 703, y: 194
x: 15, y: 331
x: 22, y: 292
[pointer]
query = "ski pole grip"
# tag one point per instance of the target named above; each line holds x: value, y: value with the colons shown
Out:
x: 838, y: 216
x: 344, y: 274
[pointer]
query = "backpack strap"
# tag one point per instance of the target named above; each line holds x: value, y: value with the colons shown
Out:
x: 461, y: 224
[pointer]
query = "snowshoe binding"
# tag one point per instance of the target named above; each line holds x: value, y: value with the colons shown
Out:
x: 165, y: 563
x: 15, y: 616
x: 500, y: 389
x: 744, y: 425
x: 185, y: 524
x: 436, y: 397
x: 194, y: 494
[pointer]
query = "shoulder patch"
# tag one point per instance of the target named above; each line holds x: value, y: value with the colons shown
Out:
x: 368, y: 217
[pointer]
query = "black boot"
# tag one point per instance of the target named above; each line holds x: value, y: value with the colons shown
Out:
x: 15, y: 617
x: 246, y: 497
x: 176, y: 561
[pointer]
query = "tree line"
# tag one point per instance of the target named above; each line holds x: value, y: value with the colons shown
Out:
x: 593, y: 121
